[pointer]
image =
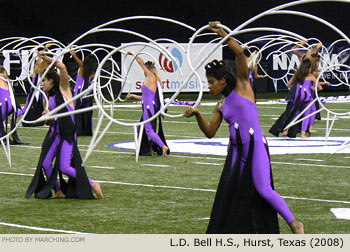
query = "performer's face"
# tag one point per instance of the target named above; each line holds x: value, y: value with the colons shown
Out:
x: 216, y: 86
x: 47, y: 84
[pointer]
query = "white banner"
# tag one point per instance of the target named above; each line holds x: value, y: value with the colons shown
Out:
x: 173, y: 74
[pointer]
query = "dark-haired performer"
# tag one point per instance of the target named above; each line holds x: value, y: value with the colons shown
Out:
x: 150, y: 106
x: 86, y: 72
x: 60, y: 143
x: 245, y: 200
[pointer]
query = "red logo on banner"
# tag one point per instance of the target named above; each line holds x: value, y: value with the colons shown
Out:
x: 165, y: 64
x: 168, y: 65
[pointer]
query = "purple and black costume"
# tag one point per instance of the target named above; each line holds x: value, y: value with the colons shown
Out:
x: 83, y: 121
x: 150, y: 139
x: 37, y: 107
x: 60, y: 143
x: 6, y: 108
x: 314, y: 107
x: 298, y: 97
x: 245, y: 200
x: 8, y: 105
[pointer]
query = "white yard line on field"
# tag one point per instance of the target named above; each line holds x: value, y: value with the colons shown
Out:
x: 314, y: 165
x: 41, y: 229
x: 202, y: 163
x: 155, y: 165
x: 206, y: 158
x: 100, y: 151
x: 310, y: 159
x: 101, y: 167
x: 123, y: 152
x: 281, y: 107
x: 318, y: 128
x: 183, y: 188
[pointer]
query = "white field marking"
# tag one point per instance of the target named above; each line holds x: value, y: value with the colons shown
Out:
x: 320, y: 200
x: 17, y: 174
x: 41, y: 229
x: 260, y: 115
x: 341, y: 213
x: 281, y: 107
x: 318, y: 128
x: 340, y: 109
x: 167, y: 135
x: 202, y: 163
x: 310, y: 159
x: 163, y: 121
x: 322, y: 119
x: 277, y: 146
x: 155, y: 165
x: 184, y: 188
x: 26, y: 146
x: 101, y: 167
x: 208, y: 158
x: 134, y: 110
x: 37, y: 128
x: 99, y: 151
x: 335, y: 129
x: 205, y: 218
x: 131, y: 133
x: 315, y: 165
x: 346, y: 157
x: 124, y: 152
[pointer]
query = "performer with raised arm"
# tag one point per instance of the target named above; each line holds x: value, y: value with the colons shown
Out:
x: 60, y: 144
x: 252, y: 62
x: 150, y: 106
x: 37, y: 107
x: 313, y: 55
x: 300, y: 95
x: 245, y: 200
x: 86, y: 72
